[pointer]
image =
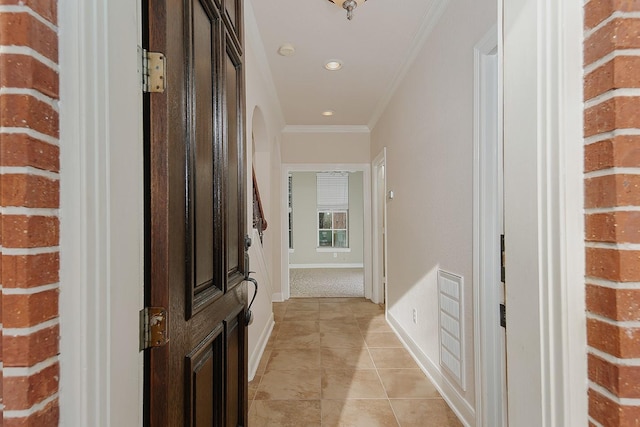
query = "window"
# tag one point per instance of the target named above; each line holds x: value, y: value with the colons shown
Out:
x: 333, y: 209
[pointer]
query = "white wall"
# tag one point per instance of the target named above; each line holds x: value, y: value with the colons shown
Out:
x: 264, y: 122
x: 305, y: 223
x: 325, y: 147
x: 428, y: 131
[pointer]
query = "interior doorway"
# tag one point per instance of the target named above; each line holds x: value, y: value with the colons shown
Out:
x: 319, y: 242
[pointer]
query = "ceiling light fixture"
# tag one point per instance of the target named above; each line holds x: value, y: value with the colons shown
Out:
x: 286, y: 49
x: 333, y: 65
x: 328, y: 113
x: 349, y: 5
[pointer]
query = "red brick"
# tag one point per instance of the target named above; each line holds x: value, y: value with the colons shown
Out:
x: 621, y: 151
x: 25, y: 351
x: 616, y: 113
x: 48, y: 9
x: 24, y: 392
x: 19, y: 149
x: 31, y: 191
x: 24, y: 111
x: 616, y: 304
x: 620, y: 33
x: 620, y: 227
x: 612, y: 264
x: 26, y: 271
x: 49, y: 416
x: 612, y: 190
x: 618, y: 341
x: 611, y: 414
x: 21, y: 231
x: 622, y: 381
x: 22, y: 29
x: 23, y: 311
x: 597, y: 11
x: 620, y: 72
x: 25, y: 71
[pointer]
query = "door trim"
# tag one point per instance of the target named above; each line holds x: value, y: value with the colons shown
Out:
x: 101, y: 239
x: 378, y: 294
x: 489, y: 345
x: 543, y: 149
x: 287, y: 168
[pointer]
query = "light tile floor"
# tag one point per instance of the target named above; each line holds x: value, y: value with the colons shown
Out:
x: 336, y: 362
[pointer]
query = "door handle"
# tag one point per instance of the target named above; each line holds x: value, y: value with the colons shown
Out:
x: 248, y: 314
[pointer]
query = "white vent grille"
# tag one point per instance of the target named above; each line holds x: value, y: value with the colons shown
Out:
x: 451, y: 326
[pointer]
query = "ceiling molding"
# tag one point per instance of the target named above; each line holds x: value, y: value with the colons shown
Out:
x: 431, y: 18
x: 326, y: 129
x: 252, y: 34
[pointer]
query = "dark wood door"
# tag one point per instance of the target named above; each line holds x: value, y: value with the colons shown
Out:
x: 196, y: 215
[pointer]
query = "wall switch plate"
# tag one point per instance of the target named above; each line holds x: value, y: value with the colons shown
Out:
x: 415, y: 316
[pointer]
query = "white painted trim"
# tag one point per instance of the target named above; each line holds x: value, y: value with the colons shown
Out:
x: 489, y: 350
x: 254, y: 358
x: 546, y: 332
x: 101, y: 272
x: 277, y: 297
x: 353, y: 265
x: 326, y: 129
x: 429, y: 21
x: 288, y: 168
x: 327, y: 249
x: 378, y: 294
x: 449, y: 392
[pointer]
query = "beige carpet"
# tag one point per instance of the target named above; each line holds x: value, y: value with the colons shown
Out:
x: 326, y: 282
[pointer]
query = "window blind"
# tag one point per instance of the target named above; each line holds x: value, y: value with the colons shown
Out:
x: 332, y: 191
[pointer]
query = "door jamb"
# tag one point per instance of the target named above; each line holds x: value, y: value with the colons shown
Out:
x: 490, y: 361
x: 378, y: 294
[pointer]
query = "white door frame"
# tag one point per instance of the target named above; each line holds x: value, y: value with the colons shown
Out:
x: 544, y: 224
x: 490, y: 361
x: 101, y: 213
x: 378, y: 247
x: 288, y: 168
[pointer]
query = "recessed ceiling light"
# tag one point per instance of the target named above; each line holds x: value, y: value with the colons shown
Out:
x: 286, y: 49
x: 333, y: 65
x: 328, y: 113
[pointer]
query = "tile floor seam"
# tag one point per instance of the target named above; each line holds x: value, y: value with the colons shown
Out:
x: 367, y: 324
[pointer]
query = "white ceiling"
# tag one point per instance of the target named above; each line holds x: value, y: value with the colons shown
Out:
x: 376, y: 47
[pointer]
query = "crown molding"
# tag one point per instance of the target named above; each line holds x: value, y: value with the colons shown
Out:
x: 326, y: 129
x: 431, y: 18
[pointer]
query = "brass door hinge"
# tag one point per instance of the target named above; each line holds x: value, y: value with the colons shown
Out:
x: 154, y: 66
x: 153, y: 327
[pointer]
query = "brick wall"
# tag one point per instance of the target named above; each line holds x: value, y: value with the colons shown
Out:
x: 29, y: 201
x: 612, y: 202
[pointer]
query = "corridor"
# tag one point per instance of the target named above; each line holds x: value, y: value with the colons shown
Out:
x: 336, y: 362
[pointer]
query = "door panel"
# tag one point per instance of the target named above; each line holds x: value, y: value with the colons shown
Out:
x: 201, y: 156
x: 235, y: 248
x: 196, y: 218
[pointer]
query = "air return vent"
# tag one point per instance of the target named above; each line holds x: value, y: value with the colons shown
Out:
x: 451, y: 326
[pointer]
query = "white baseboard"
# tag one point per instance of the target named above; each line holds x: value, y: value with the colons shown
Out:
x: 450, y: 394
x: 356, y: 265
x: 254, y: 359
x: 277, y: 297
